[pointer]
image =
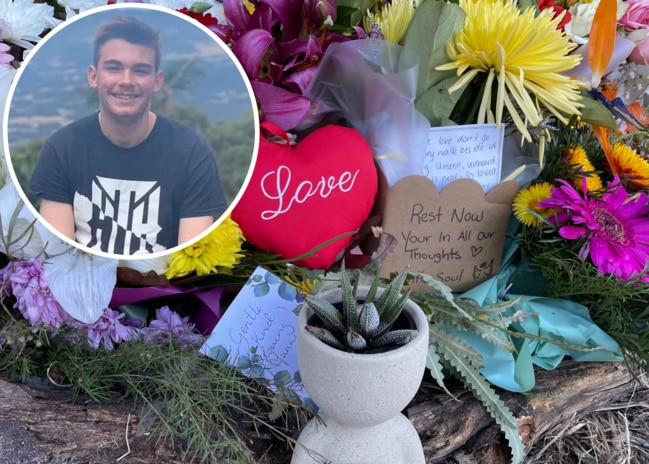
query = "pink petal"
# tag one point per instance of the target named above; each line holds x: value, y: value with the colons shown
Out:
x: 572, y: 232
x: 250, y: 50
x: 284, y: 108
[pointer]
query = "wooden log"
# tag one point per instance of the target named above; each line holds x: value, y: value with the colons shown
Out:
x: 463, y: 428
x: 46, y: 426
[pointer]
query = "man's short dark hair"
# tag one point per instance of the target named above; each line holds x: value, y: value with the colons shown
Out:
x: 131, y: 30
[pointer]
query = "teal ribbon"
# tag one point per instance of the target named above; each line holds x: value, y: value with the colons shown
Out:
x: 557, y: 320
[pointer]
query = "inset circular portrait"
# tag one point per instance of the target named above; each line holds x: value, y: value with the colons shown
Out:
x: 131, y: 130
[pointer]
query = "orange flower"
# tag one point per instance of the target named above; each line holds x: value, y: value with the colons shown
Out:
x: 631, y: 167
x: 601, y: 39
x: 577, y: 157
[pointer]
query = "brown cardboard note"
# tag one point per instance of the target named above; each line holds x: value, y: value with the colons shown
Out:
x: 456, y: 236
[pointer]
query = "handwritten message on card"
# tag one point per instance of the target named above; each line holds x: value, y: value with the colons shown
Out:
x: 258, y: 332
x: 456, y: 236
x: 472, y: 151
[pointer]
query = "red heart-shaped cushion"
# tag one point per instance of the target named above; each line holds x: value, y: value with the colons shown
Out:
x: 299, y: 197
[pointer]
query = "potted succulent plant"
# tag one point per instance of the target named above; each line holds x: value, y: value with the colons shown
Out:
x: 362, y: 355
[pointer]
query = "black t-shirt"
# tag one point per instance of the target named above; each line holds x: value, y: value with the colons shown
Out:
x: 129, y: 200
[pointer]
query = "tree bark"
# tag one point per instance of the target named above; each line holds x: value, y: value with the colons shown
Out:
x: 45, y: 426
x: 463, y: 428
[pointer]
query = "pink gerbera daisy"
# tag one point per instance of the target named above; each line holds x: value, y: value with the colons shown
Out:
x: 615, y: 227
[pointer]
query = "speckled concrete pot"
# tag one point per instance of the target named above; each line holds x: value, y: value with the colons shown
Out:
x: 361, y: 397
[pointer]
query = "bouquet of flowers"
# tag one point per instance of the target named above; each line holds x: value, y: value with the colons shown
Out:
x: 583, y: 209
x: 583, y: 219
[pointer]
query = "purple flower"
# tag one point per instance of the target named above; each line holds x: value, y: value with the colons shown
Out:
x: 25, y: 281
x: 109, y: 329
x: 280, y: 44
x: 168, y: 324
x: 5, y: 58
x: 319, y: 11
x: 615, y: 227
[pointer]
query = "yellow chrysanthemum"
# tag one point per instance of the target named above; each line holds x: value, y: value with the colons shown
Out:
x: 632, y: 168
x: 393, y: 20
x: 526, y: 201
x: 577, y: 157
x: 303, y: 282
x: 524, y: 52
x: 218, y: 252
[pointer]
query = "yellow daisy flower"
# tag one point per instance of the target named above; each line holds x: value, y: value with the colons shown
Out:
x: 526, y: 200
x: 577, y: 157
x: 524, y: 52
x: 217, y: 252
x: 393, y: 20
x: 632, y: 168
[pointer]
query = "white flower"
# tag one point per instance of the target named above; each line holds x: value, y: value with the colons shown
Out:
x: 81, y: 283
x: 173, y: 4
x: 19, y: 238
x: 72, y: 7
x: 6, y: 76
x: 23, y: 21
x: 582, y: 19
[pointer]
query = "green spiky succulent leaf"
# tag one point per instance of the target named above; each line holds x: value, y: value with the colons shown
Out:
x: 369, y: 319
x: 328, y: 314
x: 349, y: 301
x: 358, y: 327
x: 394, y: 337
x: 325, y: 336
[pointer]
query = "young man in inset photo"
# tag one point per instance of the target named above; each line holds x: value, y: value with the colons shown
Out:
x: 125, y: 180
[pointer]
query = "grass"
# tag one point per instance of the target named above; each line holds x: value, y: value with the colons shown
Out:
x: 189, y: 401
x: 615, y: 434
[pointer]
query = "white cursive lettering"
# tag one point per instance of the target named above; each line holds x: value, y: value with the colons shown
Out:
x: 276, y: 185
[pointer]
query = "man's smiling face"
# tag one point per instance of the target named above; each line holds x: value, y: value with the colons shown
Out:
x: 125, y: 79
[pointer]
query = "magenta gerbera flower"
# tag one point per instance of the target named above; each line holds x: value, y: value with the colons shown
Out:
x: 615, y: 227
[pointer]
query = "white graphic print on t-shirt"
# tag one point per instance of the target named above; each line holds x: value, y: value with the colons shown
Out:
x: 121, y: 217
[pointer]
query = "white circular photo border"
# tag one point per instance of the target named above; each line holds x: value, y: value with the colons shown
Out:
x: 123, y: 7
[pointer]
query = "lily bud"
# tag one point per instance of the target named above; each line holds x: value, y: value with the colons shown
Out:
x: 319, y: 12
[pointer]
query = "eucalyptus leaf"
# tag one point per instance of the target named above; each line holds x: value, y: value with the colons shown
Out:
x: 219, y: 354
x: 82, y: 283
x: 261, y: 290
x: 433, y: 25
x: 282, y: 378
x: 437, y: 104
x: 287, y: 292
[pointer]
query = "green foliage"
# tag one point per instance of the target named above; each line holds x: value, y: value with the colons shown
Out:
x: 233, y: 144
x: 360, y: 327
x: 23, y: 159
x: 562, y: 138
x: 553, y: 266
x: 187, y: 398
x: 470, y: 375
x: 619, y: 307
x: 433, y: 25
x: 595, y: 113
x: 449, y: 352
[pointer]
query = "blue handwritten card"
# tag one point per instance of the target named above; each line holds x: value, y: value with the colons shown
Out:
x: 258, y: 333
